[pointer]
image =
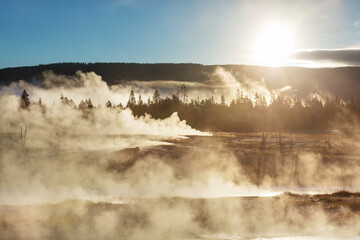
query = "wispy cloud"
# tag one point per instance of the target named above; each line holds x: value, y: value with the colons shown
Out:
x: 356, y: 24
x: 345, y: 56
x: 325, y: 16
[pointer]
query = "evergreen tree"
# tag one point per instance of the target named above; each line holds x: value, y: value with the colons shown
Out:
x: 238, y: 96
x: 89, y: 103
x: 120, y: 106
x: 108, y: 104
x: 82, y: 105
x: 156, y: 97
x: 132, y: 101
x: 140, y: 101
x: 149, y: 102
x: 222, y: 100
x: 66, y: 101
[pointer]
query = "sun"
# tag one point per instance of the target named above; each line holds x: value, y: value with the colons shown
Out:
x: 273, y: 44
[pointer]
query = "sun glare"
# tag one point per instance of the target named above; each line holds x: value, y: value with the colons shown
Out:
x: 273, y: 45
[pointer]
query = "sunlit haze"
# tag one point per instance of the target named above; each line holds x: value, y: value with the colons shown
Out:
x: 274, y: 44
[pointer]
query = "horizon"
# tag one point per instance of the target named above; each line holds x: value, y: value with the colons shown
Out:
x: 185, y: 63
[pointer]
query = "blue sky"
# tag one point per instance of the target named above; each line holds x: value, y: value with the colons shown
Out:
x: 200, y: 31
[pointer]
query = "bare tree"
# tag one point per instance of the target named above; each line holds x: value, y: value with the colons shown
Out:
x: 183, y: 92
x: 23, y: 137
x: 24, y: 101
x: 263, y: 140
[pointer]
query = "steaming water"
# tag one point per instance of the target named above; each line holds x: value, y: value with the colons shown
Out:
x: 167, y: 218
x: 239, y: 237
x: 79, y: 187
x: 28, y: 191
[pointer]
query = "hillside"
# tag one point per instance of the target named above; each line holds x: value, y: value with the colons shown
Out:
x: 344, y: 82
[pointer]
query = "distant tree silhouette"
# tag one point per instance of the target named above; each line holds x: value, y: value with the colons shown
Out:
x: 132, y: 101
x: 82, y: 105
x: 156, y: 97
x: 66, y: 101
x: 108, y: 104
x: 149, y: 102
x: 24, y: 101
x: 120, y: 106
x: 183, y: 92
x: 23, y: 138
x: 238, y: 96
x: 222, y: 100
x: 140, y: 101
x: 89, y: 103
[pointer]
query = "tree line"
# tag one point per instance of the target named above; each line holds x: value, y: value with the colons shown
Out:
x: 243, y: 114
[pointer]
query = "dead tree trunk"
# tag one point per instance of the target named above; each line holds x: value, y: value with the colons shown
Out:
x: 279, y: 136
x: 296, y: 173
x: 23, y: 137
x: 263, y: 140
x: 259, y: 168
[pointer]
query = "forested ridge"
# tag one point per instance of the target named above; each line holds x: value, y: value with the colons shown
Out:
x: 343, y: 82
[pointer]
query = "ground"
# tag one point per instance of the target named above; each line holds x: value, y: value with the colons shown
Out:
x: 224, y: 186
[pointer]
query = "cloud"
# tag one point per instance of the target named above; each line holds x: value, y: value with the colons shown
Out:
x: 346, y: 57
x: 356, y: 24
x: 325, y: 16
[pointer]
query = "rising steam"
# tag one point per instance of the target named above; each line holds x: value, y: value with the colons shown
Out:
x: 102, y: 173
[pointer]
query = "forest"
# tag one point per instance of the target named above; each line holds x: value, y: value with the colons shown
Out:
x: 243, y: 114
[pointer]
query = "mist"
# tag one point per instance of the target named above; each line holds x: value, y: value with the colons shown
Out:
x: 103, y: 173
x: 90, y: 85
x: 180, y: 120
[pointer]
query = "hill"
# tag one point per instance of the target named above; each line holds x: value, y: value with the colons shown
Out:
x: 343, y: 82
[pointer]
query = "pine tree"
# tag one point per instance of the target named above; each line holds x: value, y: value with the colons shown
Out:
x: 82, y: 105
x: 108, y: 104
x: 238, y: 96
x: 132, y: 101
x: 140, y: 101
x: 149, y: 102
x: 156, y: 97
x: 89, y: 103
x: 120, y: 106
x: 222, y: 100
